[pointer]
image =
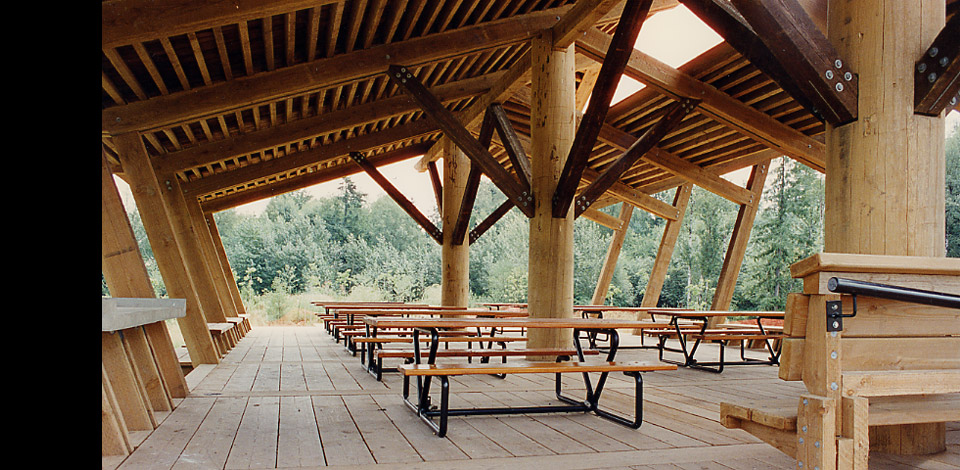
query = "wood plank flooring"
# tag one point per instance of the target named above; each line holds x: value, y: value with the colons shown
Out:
x: 292, y: 398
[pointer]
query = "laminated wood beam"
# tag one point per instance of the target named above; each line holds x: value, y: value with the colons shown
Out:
x: 457, y: 133
x: 631, y: 19
x: 397, y: 196
x: 714, y: 103
x: 936, y: 83
x: 613, y: 253
x: 720, y: 16
x: 699, y: 176
x: 671, y: 118
x: 805, y: 54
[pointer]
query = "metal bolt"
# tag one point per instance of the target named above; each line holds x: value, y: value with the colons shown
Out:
x: 403, y: 69
x: 837, y: 63
x: 833, y: 355
x: 932, y: 77
x: 800, y: 464
x: 933, y: 51
x: 922, y: 67
x: 816, y: 444
x: 953, y: 101
x: 847, y: 76
x: 801, y: 440
x: 804, y: 401
x: 839, y: 87
x: 829, y: 74
x: 944, y: 61
x: 833, y: 386
x: 804, y: 429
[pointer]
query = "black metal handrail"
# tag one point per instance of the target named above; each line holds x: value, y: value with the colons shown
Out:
x: 904, y: 294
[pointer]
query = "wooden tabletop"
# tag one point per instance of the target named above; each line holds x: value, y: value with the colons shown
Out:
x: 527, y: 322
x: 613, y: 308
x: 716, y: 313
x: 438, y: 313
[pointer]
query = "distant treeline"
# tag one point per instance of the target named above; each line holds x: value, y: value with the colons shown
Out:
x: 347, y: 244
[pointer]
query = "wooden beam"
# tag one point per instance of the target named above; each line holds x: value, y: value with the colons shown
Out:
x: 936, y: 84
x: 456, y: 132
x: 730, y: 25
x: 613, y: 253
x: 574, y: 22
x: 323, y: 73
x: 325, y: 155
x: 668, y: 241
x: 737, y: 248
x: 437, y: 185
x: 511, y: 142
x: 806, y: 54
x: 332, y: 172
x: 713, y: 102
x: 132, y: 21
x: 672, y: 116
x: 397, y: 196
x: 631, y: 19
x: 491, y: 219
x: 146, y: 191
x: 324, y: 124
x: 472, y: 184
x: 602, y: 218
x: 635, y: 198
x: 701, y: 177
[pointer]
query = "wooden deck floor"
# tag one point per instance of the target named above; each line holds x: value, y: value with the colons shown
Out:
x: 289, y: 397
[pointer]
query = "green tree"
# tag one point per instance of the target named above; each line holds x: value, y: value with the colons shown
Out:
x: 953, y: 193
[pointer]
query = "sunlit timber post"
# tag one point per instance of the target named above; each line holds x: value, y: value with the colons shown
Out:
x: 885, y: 170
x: 552, y: 123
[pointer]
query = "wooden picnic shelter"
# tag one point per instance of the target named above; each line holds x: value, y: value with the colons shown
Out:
x: 206, y: 106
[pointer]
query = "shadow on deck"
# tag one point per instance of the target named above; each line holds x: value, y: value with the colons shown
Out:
x: 290, y: 397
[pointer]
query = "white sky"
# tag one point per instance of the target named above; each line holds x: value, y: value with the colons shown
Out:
x: 674, y: 37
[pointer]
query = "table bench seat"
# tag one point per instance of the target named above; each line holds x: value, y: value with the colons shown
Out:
x: 483, y: 354
x: 442, y: 371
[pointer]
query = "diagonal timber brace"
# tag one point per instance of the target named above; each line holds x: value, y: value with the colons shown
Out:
x: 720, y: 16
x: 805, y: 54
x: 618, y: 54
x: 673, y: 115
x: 397, y: 196
x: 936, y: 83
x: 453, y: 129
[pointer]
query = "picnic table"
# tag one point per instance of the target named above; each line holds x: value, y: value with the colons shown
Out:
x: 426, y: 370
x: 596, y: 311
x: 694, y: 324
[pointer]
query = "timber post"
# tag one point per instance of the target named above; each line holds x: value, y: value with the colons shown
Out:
x: 552, y: 122
x: 885, y: 171
x: 455, y: 254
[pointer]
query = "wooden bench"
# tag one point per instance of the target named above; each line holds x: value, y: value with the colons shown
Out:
x: 425, y: 372
x: 886, y: 379
x: 223, y: 335
x: 484, y: 355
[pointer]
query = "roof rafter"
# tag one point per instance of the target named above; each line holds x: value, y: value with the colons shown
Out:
x: 322, y: 124
x: 714, y: 103
x: 323, y: 73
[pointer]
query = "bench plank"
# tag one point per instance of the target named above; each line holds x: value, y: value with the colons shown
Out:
x: 530, y: 368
